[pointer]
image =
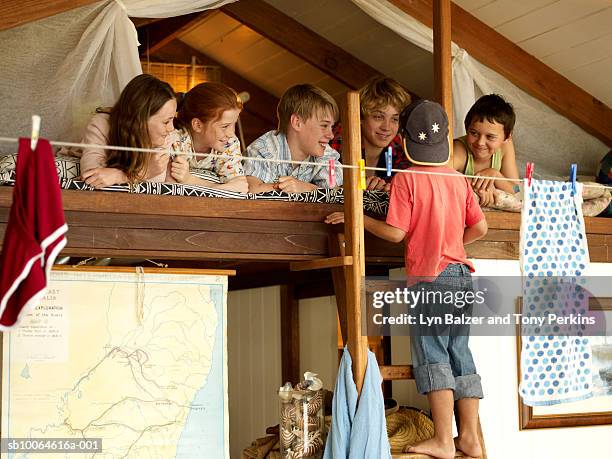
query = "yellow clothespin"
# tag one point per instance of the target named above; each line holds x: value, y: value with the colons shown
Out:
x: 362, y: 174
x: 35, y: 131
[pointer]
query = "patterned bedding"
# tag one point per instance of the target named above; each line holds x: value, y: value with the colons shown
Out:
x: 374, y: 202
x: 68, y: 171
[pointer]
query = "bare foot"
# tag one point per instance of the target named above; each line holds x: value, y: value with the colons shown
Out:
x: 470, y: 446
x: 435, y: 447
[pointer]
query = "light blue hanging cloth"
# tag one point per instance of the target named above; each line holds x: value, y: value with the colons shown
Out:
x: 556, y: 362
x: 358, y: 431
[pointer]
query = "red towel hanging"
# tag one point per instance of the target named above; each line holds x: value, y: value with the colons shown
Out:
x: 35, y: 233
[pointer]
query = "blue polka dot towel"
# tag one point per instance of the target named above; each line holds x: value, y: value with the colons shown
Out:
x: 555, y: 364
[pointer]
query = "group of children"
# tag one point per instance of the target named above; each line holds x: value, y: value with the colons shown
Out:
x: 148, y: 114
x: 435, y: 215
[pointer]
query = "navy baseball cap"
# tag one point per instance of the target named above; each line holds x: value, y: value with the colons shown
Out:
x: 424, y: 129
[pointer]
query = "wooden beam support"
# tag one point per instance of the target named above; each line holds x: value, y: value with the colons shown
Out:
x: 301, y: 41
x: 262, y: 104
x: 19, y: 12
x: 337, y: 247
x: 528, y: 73
x: 443, y: 71
x: 156, y: 35
x: 353, y: 216
x: 290, y: 335
x: 323, y: 263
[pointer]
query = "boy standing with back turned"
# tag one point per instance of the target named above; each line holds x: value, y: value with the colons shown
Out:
x: 436, y: 215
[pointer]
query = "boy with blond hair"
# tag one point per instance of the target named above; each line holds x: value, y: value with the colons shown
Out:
x: 381, y: 100
x: 306, y: 115
x: 435, y: 213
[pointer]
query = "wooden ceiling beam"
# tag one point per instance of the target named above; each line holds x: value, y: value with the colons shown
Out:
x: 156, y: 35
x: 19, y: 12
x: 521, y: 68
x: 301, y: 41
x: 141, y: 22
x: 262, y: 104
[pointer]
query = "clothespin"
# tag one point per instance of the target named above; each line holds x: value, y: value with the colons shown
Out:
x: 529, y: 172
x: 35, y: 131
x: 388, y: 158
x: 362, y: 174
x: 332, y: 173
x: 572, y: 177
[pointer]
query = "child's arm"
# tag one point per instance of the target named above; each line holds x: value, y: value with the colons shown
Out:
x: 258, y: 186
x: 475, y: 232
x: 101, y: 177
x: 290, y: 184
x: 459, y: 156
x: 179, y: 170
x: 508, y: 168
x: 377, y: 227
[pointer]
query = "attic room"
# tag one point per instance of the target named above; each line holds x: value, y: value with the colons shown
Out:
x: 288, y: 294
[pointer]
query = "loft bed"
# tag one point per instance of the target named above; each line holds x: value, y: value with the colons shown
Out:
x: 268, y: 243
x: 103, y: 224
x: 271, y: 240
x: 263, y: 239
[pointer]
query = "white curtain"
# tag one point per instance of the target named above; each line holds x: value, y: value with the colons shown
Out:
x: 64, y: 66
x: 541, y: 135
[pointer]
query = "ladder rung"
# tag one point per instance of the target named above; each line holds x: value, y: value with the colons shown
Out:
x: 393, y: 372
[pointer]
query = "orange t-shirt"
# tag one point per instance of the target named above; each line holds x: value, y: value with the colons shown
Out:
x: 433, y: 210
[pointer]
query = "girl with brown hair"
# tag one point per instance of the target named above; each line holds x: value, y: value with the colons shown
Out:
x: 207, y: 119
x: 142, y: 118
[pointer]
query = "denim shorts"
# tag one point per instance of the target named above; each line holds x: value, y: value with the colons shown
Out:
x: 441, y: 357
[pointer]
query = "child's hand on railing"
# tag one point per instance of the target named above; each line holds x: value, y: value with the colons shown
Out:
x: 335, y: 218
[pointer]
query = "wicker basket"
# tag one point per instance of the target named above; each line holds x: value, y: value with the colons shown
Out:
x: 406, y: 427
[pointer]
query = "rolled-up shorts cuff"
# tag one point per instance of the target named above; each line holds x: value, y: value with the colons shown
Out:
x: 468, y: 386
x: 434, y: 376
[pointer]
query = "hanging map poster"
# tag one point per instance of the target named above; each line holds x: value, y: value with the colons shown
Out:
x: 135, y: 359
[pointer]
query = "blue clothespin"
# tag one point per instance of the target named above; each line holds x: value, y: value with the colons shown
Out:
x: 389, y: 160
x: 572, y: 177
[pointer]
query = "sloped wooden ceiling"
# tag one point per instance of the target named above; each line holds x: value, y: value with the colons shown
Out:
x: 256, y: 58
x: 347, y: 26
x: 572, y: 37
x: 521, y: 68
x: 238, y: 37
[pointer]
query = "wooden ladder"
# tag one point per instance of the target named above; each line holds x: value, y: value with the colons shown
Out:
x: 387, y: 372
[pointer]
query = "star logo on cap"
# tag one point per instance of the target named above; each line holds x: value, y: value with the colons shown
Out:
x: 422, y: 135
x: 435, y: 127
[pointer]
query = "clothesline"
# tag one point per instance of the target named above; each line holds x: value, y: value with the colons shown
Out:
x: 171, y: 153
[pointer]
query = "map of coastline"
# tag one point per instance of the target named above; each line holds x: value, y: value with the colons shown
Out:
x: 138, y: 361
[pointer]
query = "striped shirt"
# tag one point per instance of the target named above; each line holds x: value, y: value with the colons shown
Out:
x: 273, y: 145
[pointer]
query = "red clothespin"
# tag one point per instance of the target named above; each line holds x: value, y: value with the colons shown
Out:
x: 332, y: 173
x: 35, y: 132
x: 529, y: 172
x: 362, y: 174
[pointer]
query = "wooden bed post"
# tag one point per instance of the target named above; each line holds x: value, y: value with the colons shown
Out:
x: 353, y: 230
x: 443, y: 78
